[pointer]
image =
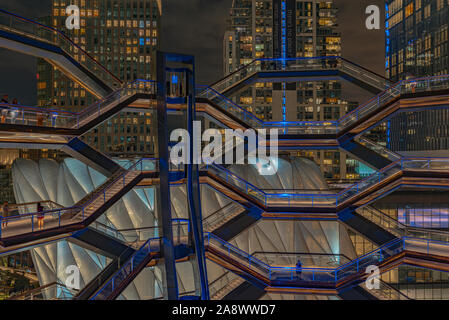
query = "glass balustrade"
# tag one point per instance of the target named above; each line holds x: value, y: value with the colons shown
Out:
x: 181, y: 230
x: 307, y: 259
x: 55, y: 118
x: 289, y: 275
x: 300, y: 64
x: 60, y: 119
x: 383, y: 151
x: 384, y: 291
x: 56, y: 218
x: 212, y: 93
x: 289, y: 198
x: 222, y: 215
x: 131, y: 237
x: 224, y: 284
x: 398, y: 229
x: 52, y: 291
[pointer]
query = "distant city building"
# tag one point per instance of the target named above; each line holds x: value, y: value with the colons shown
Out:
x: 254, y: 31
x: 123, y: 35
x: 417, y: 45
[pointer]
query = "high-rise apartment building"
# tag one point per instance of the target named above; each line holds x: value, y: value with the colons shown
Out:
x: 254, y: 32
x: 123, y: 35
x: 289, y: 28
x: 417, y: 45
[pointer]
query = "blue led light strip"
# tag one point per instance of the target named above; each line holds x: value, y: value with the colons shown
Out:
x: 284, y: 55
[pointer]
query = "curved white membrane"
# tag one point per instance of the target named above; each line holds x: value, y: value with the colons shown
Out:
x: 283, y: 236
x: 51, y: 262
x: 292, y: 174
x: 69, y: 181
x: 66, y: 183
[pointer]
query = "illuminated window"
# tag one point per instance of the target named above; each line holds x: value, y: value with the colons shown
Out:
x: 409, y: 10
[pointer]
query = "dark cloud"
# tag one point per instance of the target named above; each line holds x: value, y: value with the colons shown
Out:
x: 195, y: 27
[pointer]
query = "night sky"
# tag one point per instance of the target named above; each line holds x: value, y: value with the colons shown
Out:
x: 195, y: 27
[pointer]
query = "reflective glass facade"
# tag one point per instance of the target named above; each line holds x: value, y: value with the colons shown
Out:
x: 123, y: 35
x: 417, y: 46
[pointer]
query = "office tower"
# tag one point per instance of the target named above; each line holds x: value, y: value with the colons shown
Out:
x: 417, y: 46
x: 255, y: 30
x: 122, y: 35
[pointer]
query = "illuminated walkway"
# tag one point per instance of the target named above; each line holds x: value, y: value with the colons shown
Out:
x: 25, y: 227
x: 300, y: 69
x: 140, y: 95
x: 327, y: 281
x: 285, y: 278
x: 426, y: 173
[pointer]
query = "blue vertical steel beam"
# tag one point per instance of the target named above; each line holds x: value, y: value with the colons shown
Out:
x: 193, y: 188
x: 167, y: 247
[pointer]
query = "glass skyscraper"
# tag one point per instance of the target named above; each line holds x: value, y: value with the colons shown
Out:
x: 417, y: 46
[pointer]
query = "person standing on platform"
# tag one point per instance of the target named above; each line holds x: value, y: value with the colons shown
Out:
x: 299, y: 269
x: 5, y: 214
x: 40, y: 216
x: 4, y: 112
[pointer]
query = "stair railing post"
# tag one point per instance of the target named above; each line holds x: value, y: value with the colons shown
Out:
x: 179, y: 232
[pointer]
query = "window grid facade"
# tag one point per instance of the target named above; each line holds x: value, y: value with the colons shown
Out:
x: 252, y: 33
x: 417, y: 45
x: 123, y: 35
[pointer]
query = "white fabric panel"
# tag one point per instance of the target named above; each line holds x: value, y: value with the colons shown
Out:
x: 64, y: 197
x: 81, y: 172
x: 47, y: 169
x: 67, y: 182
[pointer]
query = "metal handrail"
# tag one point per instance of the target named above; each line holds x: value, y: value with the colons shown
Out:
x: 333, y: 274
x: 95, y: 195
x: 63, y: 36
